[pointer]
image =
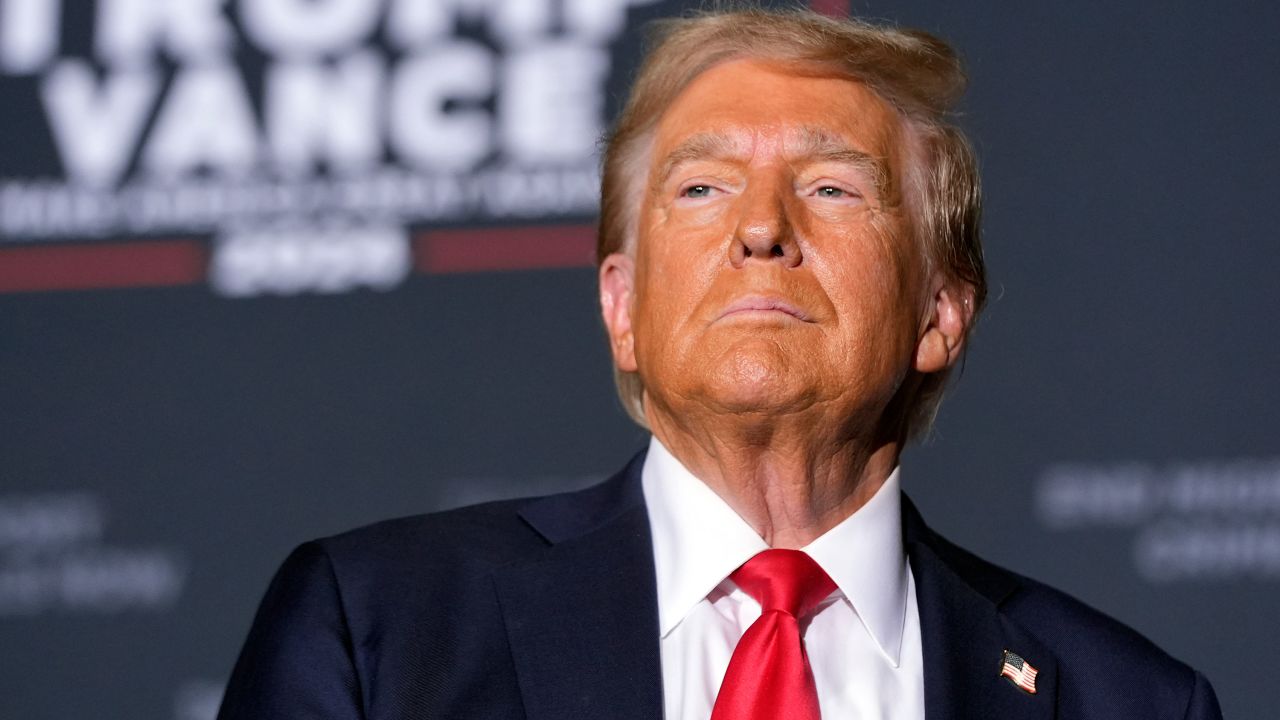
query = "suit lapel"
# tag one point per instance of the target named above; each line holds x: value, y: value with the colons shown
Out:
x: 582, y: 615
x: 964, y: 635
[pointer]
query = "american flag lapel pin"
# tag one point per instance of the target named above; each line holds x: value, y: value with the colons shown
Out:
x: 1019, y: 671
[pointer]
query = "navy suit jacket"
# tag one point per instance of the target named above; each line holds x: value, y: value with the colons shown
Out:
x: 546, y: 609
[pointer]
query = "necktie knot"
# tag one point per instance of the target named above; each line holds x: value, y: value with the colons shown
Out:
x: 786, y: 580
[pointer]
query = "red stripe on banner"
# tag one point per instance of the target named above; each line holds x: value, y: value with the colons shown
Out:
x: 101, y: 266
x: 833, y: 8
x: 520, y: 248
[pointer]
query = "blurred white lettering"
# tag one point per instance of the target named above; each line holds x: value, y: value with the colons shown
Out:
x: 316, y: 113
x: 206, y: 122
x: 1192, y: 521
x: 1192, y: 551
x: 421, y: 131
x: 551, y: 107
x: 53, y: 558
x: 599, y: 19
x: 373, y: 114
x: 412, y: 23
x: 308, y: 28
x: 327, y: 260
x: 97, y: 127
x: 49, y: 520
x: 130, y: 31
x: 516, y: 21
x: 28, y: 34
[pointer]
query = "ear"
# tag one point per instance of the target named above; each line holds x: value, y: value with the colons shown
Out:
x: 617, y: 283
x: 950, y: 314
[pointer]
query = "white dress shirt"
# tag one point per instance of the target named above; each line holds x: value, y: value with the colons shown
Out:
x: 864, y: 640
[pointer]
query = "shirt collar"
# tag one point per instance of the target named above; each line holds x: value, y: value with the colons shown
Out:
x: 864, y: 556
x: 698, y: 540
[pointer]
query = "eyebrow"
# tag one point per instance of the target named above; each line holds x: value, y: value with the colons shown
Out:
x: 814, y: 144
x: 701, y: 146
x: 818, y: 144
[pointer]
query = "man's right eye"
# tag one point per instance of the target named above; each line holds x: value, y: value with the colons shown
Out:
x: 696, y: 191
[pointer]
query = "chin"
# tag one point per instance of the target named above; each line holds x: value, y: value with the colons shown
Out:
x: 746, y: 382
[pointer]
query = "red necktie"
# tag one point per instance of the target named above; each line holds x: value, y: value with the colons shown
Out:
x: 769, y: 676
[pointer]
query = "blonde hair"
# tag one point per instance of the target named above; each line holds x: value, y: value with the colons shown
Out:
x: 915, y: 72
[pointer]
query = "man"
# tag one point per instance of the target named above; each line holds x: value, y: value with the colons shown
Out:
x: 789, y: 266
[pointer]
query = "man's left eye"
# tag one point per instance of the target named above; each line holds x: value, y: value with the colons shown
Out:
x: 828, y: 191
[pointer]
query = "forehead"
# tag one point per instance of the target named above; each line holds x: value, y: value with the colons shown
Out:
x: 756, y: 105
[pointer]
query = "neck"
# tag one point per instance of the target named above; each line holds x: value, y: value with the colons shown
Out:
x: 791, y: 479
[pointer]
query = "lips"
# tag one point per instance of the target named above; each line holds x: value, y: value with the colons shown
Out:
x: 764, y: 305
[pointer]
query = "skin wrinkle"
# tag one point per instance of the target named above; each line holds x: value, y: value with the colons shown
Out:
x: 784, y: 418
x: 813, y: 145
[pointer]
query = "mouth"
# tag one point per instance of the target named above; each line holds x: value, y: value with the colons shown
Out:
x: 764, y: 306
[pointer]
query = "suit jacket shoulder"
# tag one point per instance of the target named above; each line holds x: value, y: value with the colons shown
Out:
x: 1094, y: 665
x: 457, y: 614
x: 357, y: 625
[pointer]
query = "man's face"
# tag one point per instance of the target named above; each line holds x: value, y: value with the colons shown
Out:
x: 774, y: 269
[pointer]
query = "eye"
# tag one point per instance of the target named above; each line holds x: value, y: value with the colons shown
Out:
x: 828, y: 191
x: 697, y: 191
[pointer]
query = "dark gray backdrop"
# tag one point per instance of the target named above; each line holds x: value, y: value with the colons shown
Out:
x: 165, y: 443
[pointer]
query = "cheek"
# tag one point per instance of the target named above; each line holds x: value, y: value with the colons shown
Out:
x: 679, y: 260
x: 873, y: 285
x: 665, y: 291
x: 897, y: 268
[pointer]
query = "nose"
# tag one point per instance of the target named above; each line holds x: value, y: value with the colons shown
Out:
x: 764, y: 231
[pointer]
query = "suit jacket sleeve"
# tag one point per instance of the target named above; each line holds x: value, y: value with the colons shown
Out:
x: 298, y: 660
